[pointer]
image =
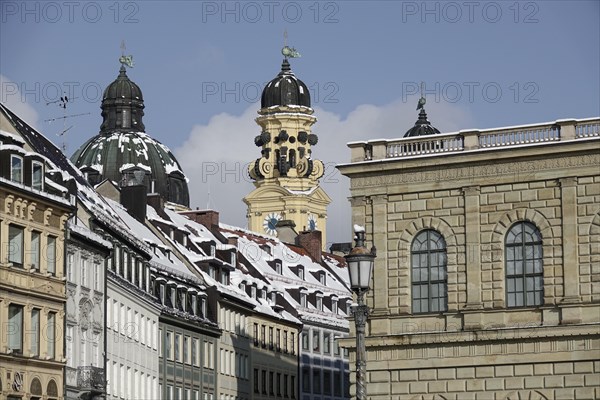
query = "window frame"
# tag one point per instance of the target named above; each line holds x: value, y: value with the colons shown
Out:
x: 429, y: 284
x: 537, y: 247
x: 37, y: 185
x: 13, y: 168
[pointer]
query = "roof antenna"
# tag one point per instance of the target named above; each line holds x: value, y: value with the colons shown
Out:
x: 63, y: 101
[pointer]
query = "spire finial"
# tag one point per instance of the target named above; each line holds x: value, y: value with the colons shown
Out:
x: 125, y: 60
x: 285, y: 36
x: 421, y: 103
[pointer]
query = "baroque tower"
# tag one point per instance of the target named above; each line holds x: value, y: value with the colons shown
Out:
x: 286, y: 176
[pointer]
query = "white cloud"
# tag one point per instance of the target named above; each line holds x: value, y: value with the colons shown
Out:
x: 11, y: 97
x: 215, y: 156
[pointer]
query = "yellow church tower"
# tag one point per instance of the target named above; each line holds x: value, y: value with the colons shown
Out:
x: 286, y: 176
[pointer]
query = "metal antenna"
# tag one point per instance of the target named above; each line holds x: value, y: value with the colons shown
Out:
x: 62, y: 103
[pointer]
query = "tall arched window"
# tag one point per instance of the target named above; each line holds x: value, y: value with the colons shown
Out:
x: 524, y: 269
x: 429, y: 276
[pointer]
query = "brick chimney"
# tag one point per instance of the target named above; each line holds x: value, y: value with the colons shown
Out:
x: 311, y: 241
x: 208, y: 218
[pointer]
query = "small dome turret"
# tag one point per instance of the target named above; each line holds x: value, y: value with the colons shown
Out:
x: 285, y: 90
x: 422, y: 126
x: 122, y: 106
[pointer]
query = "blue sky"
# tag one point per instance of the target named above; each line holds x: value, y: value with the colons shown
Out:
x: 201, y: 65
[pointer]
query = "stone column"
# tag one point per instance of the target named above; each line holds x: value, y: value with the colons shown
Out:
x: 568, y: 193
x: 472, y: 247
x: 380, y: 241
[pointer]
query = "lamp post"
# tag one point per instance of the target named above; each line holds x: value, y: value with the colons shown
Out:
x: 360, y: 264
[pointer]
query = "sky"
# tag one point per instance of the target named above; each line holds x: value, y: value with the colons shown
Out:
x: 202, y: 65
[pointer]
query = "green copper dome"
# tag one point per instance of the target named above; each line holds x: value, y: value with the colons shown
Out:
x: 122, y: 151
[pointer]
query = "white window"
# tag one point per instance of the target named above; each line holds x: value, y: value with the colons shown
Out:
x: 178, y: 347
x: 37, y: 175
x: 320, y: 302
x: 35, y: 333
x: 84, y: 267
x: 70, y: 267
x: 15, y: 245
x: 51, y: 334
x: 186, y: 350
x: 303, y: 299
x: 69, y: 338
x: 301, y: 273
x: 322, y: 278
x: 15, y: 331
x: 233, y: 258
x: 97, y: 282
x: 16, y: 169
x: 160, y: 341
x: 278, y: 267
x: 35, y: 250
x: 51, y: 255
x: 334, y: 306
x: 195, y: 352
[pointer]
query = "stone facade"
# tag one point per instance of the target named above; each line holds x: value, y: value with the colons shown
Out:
x: 472, y: 188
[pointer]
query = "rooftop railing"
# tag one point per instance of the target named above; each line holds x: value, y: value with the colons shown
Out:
x: 469, y: 140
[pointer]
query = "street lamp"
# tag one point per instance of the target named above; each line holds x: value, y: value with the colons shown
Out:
x: 360, y: 264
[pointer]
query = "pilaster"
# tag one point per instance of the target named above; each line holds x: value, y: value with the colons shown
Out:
x: 568, y: 193
x: 472, y: 247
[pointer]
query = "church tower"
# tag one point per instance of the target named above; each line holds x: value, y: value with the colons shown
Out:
x: 286, y: 176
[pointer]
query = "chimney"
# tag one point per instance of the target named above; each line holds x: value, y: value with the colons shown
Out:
x: 133, y: 198
x: 285, y: 231
x: 208, y: 218
x: 233, y: 240
x: 311, y: 242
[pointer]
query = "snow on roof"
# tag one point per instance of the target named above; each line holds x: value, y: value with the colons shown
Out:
x: 85, y: 232
x: 49, y: 196
x: 12, y: 136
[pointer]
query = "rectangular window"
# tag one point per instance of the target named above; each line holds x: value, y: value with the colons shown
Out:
x: 336, y: 346
x: 263, y: 334
x: 186, y: 349
x: 316, y: 341
x: 316, y: 381
x: 96, y: 276
x: 255, y: 331
x: 69, y: 339
x: 306, y: 380
x: 327, y: 343
x: 51, y: 334
x: 160, y: 344
x: 285, y: 386
x: 271, y: 383
x: 178, y: 347
x: 278, y: 340
x: 16, y: 169
x: 271, y: 337
x: 83, y: 270
x: 169, y: 344
x: 35, y: 333
x: 327, y: 382
x: 51, y: 255
x: 278, y: 384
x: 35, y: 250
x: 337, y: 387
x: 264, y: 382
x: 256, y: 387
x: 293, y: 387
x: 319, y: 303
x: 303, y: 300
x: 195, y: 352
x: 15, y: 328
x: 37, y: 175
x: 70, y: 267
x: 305, y: 340
x: 293, y: 342
x: 285, y: 341
x: 15, y: 245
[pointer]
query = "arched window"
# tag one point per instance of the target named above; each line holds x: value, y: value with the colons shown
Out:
x: 429, y: 276
x: 52, y: 390
x: 524, y: 269
x: 36, y: 389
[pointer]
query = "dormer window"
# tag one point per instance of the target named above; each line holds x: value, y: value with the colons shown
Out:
x: 203, y: 307
x: 263, y: 294
x: 233, y: 258
x: 274, y: 297
x: 334, y: 305
x: 319, y: 303
x: 161, y: 293
x: 172, y: 291
x: 212, y: 250
x: 194, y: 305
x: 182, y: 300
x: 301, y: 272
x: 16, y: 169
x: 225, y: 277
x: 212, y: 272
x: 253, y: 292
x: 37, y: 175
x: 266, y: 248
x: 278, y: 267
x: 242, y: 286
x: 322, y: 278
x: 303, y: 299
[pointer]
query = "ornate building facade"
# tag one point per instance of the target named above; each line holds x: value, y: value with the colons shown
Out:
x: 286, y: 176
x: 35, y: 204
x: 487, y: 279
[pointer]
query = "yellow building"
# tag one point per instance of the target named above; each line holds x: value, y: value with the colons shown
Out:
x: 286, y: 176
x: 34, y: 208
x: 487, y: 278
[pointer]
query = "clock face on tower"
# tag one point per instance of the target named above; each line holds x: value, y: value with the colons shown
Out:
x: 270, y: 223
x: 312, y: 222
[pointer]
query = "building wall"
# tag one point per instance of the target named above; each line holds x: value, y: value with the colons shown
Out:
x: 85, y: 311
x: 132, y: 347
x: 32, y: 287
x: 480, y: 348
x: 234, y: 353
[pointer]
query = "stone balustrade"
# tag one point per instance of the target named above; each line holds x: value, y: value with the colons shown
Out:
x: 470, y: 140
